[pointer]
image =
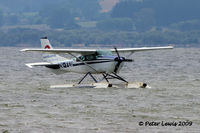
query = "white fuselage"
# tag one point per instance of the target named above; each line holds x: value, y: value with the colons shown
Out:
x: 103, y: 67
x: 97, y: 66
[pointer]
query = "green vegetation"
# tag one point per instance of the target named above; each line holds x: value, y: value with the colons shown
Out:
x: 115, y: 24
x: 130, y: 22
x: 164, y: 12
x: 25, y: 37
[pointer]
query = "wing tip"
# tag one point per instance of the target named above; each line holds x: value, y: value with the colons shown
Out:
x: 23, y: 50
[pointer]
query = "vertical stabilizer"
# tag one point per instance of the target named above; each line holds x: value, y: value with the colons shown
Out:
x: 51, y: 58
x: 45, y: 43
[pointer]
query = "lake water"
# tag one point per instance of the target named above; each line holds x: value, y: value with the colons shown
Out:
x: 27, y: 104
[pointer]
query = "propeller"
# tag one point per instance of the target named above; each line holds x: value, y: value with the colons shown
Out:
x: 120, y: 60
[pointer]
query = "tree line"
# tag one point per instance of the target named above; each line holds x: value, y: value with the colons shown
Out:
x: 130, y: 22
x: 66, y: 38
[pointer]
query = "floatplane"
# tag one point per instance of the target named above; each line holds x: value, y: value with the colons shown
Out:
x: 108, y: 63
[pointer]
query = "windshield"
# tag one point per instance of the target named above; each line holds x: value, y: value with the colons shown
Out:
x: 104, y: 52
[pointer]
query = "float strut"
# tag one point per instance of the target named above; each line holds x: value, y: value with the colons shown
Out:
x: 86, y: 76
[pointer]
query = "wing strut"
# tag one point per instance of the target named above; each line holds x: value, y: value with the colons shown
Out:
x: 89, y: 67
x: 83, y: 62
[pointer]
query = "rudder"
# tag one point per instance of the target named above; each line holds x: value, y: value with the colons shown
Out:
x: 45, y: 44
x: 51, y: 58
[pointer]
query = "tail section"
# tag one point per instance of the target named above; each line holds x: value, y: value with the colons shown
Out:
x: 50, y: 58
x: 45, y: 43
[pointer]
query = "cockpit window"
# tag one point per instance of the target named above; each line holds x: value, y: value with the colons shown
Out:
x: 94, y: 56
x: 82, y: 58
x: 87, y: 57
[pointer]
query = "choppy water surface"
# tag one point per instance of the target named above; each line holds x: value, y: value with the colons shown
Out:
x: 27, y: 104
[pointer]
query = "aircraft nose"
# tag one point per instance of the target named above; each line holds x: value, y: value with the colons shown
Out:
x: 119, y: 59
x: 123, y: 59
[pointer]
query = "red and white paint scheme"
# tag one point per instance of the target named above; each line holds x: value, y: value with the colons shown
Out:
x: 45, y: 43
x: 47, y: 47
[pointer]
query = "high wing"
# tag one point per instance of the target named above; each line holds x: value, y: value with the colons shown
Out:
x: 30, y: 65
x: 91, y: 51
x: 141, y: 49
x: 59, y: 51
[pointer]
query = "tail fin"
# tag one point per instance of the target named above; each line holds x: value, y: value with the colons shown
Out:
x: 45, y: 43
x: 50, y: 58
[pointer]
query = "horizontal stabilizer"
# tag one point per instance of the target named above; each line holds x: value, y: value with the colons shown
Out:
x: 31, y: 65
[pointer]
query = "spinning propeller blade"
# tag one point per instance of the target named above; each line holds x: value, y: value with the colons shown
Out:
x: 117, y: 52
x: 120, y: 60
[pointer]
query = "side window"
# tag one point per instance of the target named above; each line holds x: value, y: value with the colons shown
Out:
x: 82, y: 58
x: 90, y: 57
x: 87, y: 57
